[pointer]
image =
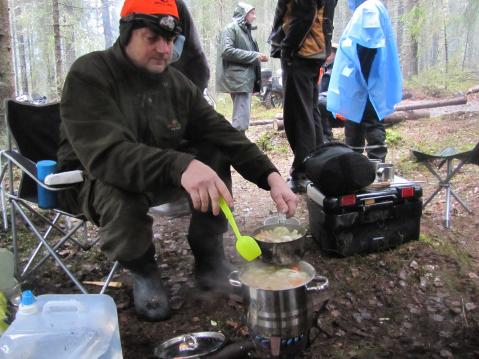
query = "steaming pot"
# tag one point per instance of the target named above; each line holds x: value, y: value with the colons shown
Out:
x: 282, y: 253
x: 283, y: 316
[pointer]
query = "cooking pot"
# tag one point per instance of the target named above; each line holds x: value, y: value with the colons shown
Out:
x: 285, y: 313
x: 282, y: 253
x: 385, y: 172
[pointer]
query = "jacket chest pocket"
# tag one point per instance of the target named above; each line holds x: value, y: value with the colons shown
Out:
x: 166, y: 128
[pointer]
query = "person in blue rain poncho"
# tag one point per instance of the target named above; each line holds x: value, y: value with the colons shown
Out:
x: 366, y: 79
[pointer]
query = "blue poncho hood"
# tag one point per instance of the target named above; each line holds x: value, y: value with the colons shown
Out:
x: 348, y: 91
x: 353, y: 4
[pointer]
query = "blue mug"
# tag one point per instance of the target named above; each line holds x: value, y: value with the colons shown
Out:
x: 46, y: 199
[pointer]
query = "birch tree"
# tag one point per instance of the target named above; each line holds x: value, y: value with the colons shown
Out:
x: 105, y: 15
x: 6, y: 69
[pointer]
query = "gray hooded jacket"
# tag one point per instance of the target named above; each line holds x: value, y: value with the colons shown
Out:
x: 237, y: 65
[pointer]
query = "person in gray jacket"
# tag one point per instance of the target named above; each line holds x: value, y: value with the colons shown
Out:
x: 238, y: 66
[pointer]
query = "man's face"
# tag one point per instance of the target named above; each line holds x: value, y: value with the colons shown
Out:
x: 250, y: 17
x: 148, y: 50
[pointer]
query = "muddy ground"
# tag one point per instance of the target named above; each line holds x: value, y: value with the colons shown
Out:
x: 419, y: 300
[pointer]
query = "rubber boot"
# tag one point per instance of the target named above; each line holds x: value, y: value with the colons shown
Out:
x: 150, y: 296
x: 211, y: 268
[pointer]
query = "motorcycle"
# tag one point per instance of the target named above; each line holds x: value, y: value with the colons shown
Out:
x: 271, y: 94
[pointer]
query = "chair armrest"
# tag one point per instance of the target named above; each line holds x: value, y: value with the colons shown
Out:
x: 63, y: 178
x: 29, y: 169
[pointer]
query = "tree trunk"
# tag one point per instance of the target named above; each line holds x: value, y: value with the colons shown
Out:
x: 6, y: 69
x: 446, y: 51
x: 105, y: 15
x: 69, y: 38
x: 58, y: 47
x: 411, y: 60
x: 23, y: 64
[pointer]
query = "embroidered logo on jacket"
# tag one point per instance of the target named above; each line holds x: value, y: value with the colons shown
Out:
x: 173, y: 125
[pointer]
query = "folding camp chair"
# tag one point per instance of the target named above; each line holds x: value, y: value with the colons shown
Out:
x: 35, y: 132
x: 434, y: 164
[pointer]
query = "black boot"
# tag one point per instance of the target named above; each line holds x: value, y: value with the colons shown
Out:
x: 150, y: 297
x: 211, y: 268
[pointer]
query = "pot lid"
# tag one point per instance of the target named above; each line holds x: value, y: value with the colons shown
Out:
x: 192, y: 345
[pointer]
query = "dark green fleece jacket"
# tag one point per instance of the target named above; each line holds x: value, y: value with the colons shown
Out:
x: 125, y: 126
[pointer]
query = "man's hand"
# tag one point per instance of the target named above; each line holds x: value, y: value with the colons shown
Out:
x: 286, y: 201
x: 263, y: 57
x: 204, y: 187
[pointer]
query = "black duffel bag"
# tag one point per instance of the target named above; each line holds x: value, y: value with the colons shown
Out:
x: 336, y: 169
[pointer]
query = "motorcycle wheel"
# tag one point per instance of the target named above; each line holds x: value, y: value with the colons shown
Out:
x: 273, y: 100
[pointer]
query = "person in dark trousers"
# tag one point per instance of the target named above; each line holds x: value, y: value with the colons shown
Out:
x: 301, y: 37
x: 238, y: 69
x: 366, y: 79
x: 142, y: 133
x: 327, y: 117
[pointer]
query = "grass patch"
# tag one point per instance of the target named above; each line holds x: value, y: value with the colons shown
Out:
x: 434, y: 81
x: 435, y: 147
x: 393, y: 137
x: 443, y: 246
x: 408, y: 166
x: 224, y: 105
x: 264, y: 142
x: 270, y: 141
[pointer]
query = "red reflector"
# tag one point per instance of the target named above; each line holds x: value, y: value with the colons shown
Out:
x: 349, y: 200
x: 407, y: 192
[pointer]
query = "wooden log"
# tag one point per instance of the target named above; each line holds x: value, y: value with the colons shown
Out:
x: 112, y: 284
x: 278, y: 124
x: 396, y: 117
x: 261, y: 122
x: 399, y: 116
x: 432, y: 104
x: 472, y: 90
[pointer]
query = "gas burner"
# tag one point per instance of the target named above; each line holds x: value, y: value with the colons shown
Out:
x: 276, y: 347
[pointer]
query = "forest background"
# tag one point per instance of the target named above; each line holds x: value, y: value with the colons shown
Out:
x: 435, y: 38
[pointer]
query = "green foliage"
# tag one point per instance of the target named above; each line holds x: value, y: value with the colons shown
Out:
x: 435, y: 82
x: 270, y: 141
x: 259, y: 112
x: 264, y: 142
x: 3, y: 312
x: 224, y: 105
x: 393, y: 137
x: 414, y: 21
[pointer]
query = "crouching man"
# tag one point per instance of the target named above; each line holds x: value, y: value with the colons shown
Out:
x: 142, y: 133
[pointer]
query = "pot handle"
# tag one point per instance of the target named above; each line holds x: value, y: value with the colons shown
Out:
x: 234, y: 279
x: 324, y: 284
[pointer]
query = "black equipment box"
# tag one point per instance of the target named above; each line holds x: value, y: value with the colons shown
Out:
x: 370, y: 220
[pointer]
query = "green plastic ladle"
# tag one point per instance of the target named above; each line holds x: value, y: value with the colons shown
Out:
x: 246, y: 246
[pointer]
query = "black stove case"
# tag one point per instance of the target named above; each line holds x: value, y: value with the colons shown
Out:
x: 367, y: 221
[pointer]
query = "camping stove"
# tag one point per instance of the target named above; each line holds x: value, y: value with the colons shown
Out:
x: 279, y: 320
x: 277, y: 347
